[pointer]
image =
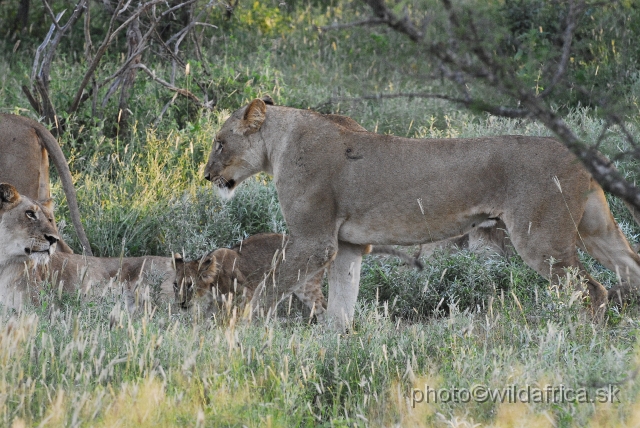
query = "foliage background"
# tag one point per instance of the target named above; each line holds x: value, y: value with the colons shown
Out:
x: 466, y: 319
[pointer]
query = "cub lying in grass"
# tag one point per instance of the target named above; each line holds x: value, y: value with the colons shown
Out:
x: 248, y: 269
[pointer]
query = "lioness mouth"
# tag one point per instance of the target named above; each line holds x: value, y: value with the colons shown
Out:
x: 222, y: 183
x: 30, y: 252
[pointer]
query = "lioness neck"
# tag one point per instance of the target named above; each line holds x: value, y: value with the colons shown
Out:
x: 13, y: 284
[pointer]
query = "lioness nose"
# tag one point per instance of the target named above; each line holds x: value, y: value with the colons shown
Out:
x: 51, y: 238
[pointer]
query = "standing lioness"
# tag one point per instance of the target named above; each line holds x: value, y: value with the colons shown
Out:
x: 341, y: 189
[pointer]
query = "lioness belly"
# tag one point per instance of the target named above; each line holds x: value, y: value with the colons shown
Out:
x: 408, y: 229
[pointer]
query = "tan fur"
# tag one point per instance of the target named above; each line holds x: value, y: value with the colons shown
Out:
x: 28, y: 255
x: 243, y: 269
x: 78, y: 272
x: 489, y: 240
x: 340, y: 190
x: 28, y: 237
x: 24, y: 163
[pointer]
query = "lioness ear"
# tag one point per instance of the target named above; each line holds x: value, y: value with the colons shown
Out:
x: 8, y: 194
x: 253, y: 118
x: 48, y: 204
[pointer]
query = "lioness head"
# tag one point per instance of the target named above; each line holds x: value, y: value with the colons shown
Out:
x: 26, y: 227
x: 211, y: 277
x: 235, y: 154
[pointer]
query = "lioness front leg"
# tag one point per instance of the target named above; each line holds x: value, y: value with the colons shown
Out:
x: 344, y: 284
x: 305, y: 259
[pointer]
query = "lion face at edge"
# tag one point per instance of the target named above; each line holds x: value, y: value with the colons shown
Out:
x: 29, y: 228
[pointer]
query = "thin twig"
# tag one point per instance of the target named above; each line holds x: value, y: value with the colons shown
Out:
x: 42, y: 46
x: 54, y: 18
x: 105, y: 44
x: 183, y: 92
x: 572, y: 18
x: 403, y: 25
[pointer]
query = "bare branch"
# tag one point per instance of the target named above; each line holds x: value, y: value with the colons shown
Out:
x: 164, y: 109
x: 54, y: 18
x: 88, y: 44
x: 46, y: 62
x: 34, y: 103
x: 135, y: 49
x: 403, y: 25
x: 183, y: 92
x: 571, y: 24
x: 104, y: 45
x: 41, y: 48
x: 40, y: 78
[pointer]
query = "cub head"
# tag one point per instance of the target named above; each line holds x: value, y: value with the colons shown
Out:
x: 237, y: 151
x: 27, y: 228
x: 210, y: 277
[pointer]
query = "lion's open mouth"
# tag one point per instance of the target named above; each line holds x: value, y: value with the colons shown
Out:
x: 222, y: 183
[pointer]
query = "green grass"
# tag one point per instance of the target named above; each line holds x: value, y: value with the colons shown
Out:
x: 497, y: 322
x: 466, y: 320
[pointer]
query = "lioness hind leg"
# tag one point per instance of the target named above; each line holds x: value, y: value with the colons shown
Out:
x: 539, y: 247
x: 601, y: 237
x: 344, y: 283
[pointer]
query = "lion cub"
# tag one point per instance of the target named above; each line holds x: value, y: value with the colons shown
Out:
x: 245, y: 269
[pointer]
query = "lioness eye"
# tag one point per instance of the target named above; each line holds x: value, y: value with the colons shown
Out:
x: 30, y: 214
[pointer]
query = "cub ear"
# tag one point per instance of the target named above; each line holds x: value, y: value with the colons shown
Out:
x: 206, y: 261
x: 268, y: 100
x: 177, y: 258
x: 254, y: 116
x: 212, y: 267
x: 8, y: 194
